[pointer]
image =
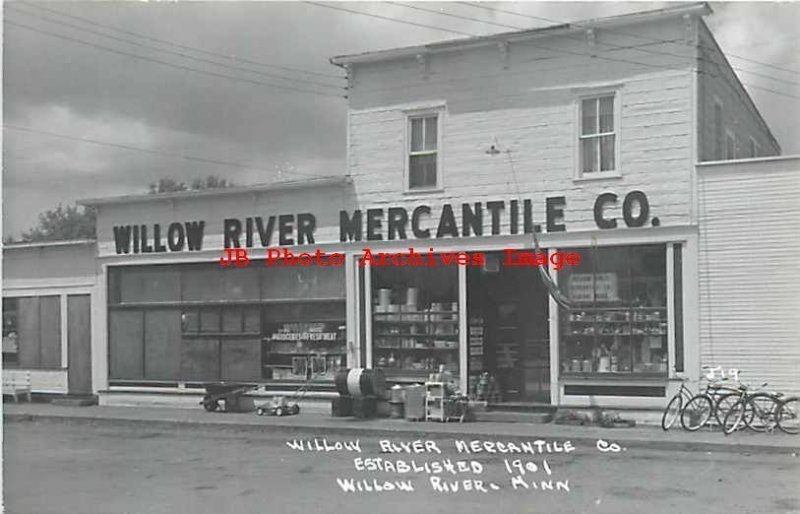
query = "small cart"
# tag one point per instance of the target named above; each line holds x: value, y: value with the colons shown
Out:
x: 279, y: 406
x: 231, y: 396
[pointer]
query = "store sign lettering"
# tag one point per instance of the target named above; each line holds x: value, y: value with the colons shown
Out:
x: 379, y: 224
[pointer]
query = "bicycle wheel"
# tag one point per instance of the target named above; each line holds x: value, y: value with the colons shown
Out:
x: 734, y: 419
x: 788, y: 417
x: 724, y: 404
x: 761, y: 411
x: 672, y: 412
x: 697, y: 412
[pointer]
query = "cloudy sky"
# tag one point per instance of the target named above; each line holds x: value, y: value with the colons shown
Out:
x: 102, y: 98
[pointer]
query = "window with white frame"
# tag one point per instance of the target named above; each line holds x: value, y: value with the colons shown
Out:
x: 423, y: 151
x: 598, y: 136
x: 718, y: 132
x: 730, y: 145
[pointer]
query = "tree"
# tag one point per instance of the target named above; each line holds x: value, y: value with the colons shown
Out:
x: 169, y: 185
x: 62, y: 224
x: 166, y: 185
x: 211, y: 182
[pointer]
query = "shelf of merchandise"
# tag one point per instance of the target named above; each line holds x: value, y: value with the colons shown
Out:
x: 600, y: 327
x: 427, y: 335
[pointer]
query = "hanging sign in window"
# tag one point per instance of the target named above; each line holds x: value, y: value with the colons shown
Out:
x: 593, y: 287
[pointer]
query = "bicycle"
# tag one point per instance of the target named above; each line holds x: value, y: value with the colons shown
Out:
x: 675, y: 406
x: 757, y: 411
x: 716, y: 400
x: 788, y: 416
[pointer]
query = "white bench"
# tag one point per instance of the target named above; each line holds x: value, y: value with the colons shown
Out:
x: 17, y: 383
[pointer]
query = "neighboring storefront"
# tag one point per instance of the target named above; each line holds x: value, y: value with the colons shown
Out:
x: 49, y: 290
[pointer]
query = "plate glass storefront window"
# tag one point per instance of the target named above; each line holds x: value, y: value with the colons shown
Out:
x: 618, y: 320
x: 415, y: 319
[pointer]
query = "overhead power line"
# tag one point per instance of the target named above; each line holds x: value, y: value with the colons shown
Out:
x: 389, y: 18
x: 233, y: 58
x: 147, y: 150
x: 171, y: 52
x: 169, y: 64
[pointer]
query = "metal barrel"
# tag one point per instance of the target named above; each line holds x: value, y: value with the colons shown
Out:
x: 360, y: 382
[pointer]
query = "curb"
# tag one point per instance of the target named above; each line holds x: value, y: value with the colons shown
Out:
x: 429, y: 432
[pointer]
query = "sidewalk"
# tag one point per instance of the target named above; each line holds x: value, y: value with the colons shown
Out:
x: 322, y: 425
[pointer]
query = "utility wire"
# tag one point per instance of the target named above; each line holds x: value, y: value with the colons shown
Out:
x: 180, y: 54
x: 233, y: 58
x: 147, y: 150
x: 172, y: 65
x: 389, y: 18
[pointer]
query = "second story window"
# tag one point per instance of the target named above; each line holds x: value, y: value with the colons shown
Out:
x: 598, y: 137
x: 423, y: 151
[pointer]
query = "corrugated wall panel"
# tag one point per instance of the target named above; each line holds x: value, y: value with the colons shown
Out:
x: 749, y: 276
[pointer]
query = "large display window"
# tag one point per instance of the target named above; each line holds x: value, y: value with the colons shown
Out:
x: 203, y: 323
x: 415, y: 319
x: 618, y: 322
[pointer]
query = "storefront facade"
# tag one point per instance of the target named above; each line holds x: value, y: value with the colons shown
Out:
x: 49, y: 323
x: 422, y: 256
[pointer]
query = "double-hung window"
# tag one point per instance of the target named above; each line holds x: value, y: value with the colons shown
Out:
x: 598, y: 136
x: 423, y: 152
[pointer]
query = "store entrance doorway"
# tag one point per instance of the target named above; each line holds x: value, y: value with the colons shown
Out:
x: 509, y: 331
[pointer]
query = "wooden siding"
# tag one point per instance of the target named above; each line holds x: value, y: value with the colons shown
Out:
x: 717, y: 81
x: 748, y: 273
x: 530, y: 108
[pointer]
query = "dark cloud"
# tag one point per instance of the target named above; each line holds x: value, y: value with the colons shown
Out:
x: 67, y: 87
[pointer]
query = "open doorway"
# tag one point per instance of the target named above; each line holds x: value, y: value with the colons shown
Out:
x: 509, y: 330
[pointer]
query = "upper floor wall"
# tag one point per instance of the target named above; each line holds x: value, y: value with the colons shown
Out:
x: 729, y: 125
x: 49, y: 264
x: 512, y: 117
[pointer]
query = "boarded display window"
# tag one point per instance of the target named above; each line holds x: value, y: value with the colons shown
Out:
x: 149, y: 284
x: 126, y: 344
x: 618, y: 322
x: 201, y: 282
x: 162, y: 335
x: 38, y: 336
x: 211, y: 326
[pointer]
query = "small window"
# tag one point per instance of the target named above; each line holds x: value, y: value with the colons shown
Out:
x: 423, y: 151
x: 718, y: 134
x: 598, y: 139
x: 10, y: 338
x: 730, y: 146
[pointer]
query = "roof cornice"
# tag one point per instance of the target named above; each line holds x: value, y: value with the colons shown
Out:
x: 696, y: 9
